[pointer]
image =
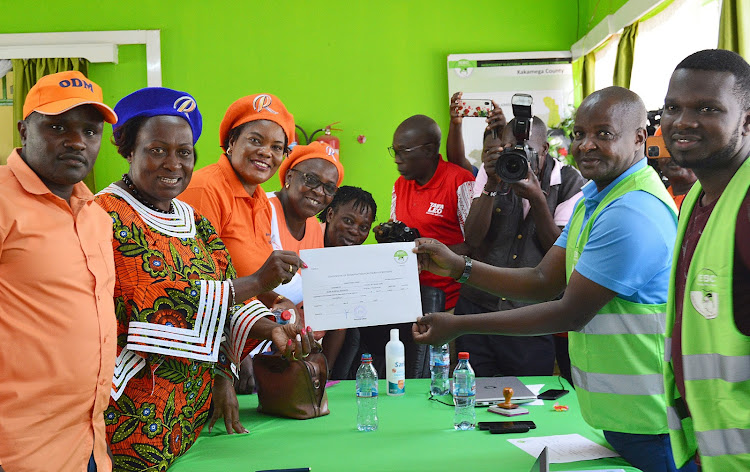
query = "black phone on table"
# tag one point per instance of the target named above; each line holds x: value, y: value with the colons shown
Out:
x: 510, y: 427
x: 487, y: 425
x: 551, y: 394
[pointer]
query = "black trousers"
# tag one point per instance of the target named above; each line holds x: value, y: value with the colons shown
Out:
x: 496, y: 355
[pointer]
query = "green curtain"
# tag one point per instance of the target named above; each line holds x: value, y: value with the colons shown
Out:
x: 624, y: 61
x: 734, y: 27
x: 26, y: 72
x: 583, y: 77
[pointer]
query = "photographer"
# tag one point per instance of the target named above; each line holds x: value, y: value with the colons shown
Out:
x: 514, y: 225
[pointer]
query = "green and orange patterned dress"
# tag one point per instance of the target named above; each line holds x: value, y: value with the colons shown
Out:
x: 173, y: 308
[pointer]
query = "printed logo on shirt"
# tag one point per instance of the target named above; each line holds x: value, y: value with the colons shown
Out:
x: 263, y: 102
x: 703, y: 294
x: 436, y: 209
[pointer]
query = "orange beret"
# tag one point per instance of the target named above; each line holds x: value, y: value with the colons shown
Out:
x: 261, y: 106
x: 316, y: 150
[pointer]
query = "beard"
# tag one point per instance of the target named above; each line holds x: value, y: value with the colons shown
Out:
x: 715, y: 159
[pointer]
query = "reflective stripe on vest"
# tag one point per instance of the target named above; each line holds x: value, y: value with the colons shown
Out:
x: 720, y: 442
x: 649, y: 384
x: 668, y: 349
x: 616, y: 323
x: 716, y: 366
x: 673, y: 419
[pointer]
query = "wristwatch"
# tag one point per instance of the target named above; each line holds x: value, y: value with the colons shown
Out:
x: 467, y: 270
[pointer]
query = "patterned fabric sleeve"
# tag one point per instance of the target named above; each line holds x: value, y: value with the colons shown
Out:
x: 236, y: 344
x: 465, y: 195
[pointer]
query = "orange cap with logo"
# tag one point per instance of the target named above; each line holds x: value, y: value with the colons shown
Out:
x: 261, y: 106
x: 55, y: 94
x: 315, y: 150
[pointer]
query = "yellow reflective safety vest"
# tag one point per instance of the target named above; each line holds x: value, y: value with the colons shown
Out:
x: 715, y: 354
x: 617, y: 358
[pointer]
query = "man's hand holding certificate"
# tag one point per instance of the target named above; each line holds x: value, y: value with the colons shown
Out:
x: 352, y: 286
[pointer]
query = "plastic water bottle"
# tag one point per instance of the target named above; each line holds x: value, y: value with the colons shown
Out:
x: 284, y: 316
x: 395, y: 365
x: 440, y: 360
x: 464, y: 394
x: 367, y: 395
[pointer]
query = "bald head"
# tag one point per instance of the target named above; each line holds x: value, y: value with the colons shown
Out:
x: 621, y: 101
x: 421, y: 127
x: 609, y: 134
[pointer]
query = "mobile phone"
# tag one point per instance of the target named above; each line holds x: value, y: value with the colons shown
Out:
x: 475, y: 107
x: 655, y: 148
x: 510, y: 427
x: 487, y: 425
x: 551, y: 394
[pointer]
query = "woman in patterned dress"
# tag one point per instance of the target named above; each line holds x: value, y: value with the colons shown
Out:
x: 176, y: 294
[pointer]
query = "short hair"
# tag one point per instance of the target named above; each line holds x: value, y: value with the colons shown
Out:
x: 424, y: 125
x: 346, y: 194
x: 127, y: 134
x: 721, y: 60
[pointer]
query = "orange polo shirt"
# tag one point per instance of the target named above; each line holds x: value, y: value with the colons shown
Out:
x: 57, y: 325
x: 243, y: 221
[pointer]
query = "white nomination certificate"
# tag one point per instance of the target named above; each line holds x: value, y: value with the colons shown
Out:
x: 352, y: 286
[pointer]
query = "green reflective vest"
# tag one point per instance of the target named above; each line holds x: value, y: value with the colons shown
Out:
x: 715, y: 355
x: 617, y: 358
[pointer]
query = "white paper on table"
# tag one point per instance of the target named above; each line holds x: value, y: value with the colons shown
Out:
x: 535, y: 389
x: 564, y: 448
x: 353, y: 286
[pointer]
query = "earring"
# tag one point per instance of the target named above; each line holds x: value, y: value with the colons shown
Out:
x: 286, y: 185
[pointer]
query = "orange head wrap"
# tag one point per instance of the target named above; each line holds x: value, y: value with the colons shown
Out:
x: 316, y: 150
x: 261, y: 106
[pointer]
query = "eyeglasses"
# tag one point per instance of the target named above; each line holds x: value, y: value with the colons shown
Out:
x: 312, y: 182
x: 401, y: 152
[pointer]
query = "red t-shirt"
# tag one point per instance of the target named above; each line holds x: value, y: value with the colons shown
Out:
x: 740, y: 280
x: 438, y: 209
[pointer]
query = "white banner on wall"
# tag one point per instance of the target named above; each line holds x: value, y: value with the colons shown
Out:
x: 547, y: 76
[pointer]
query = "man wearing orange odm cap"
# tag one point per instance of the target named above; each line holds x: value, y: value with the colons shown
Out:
x: 57, y: 320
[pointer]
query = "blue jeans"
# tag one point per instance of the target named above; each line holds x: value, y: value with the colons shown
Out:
x: 648, y: 452
x: 92, y: 464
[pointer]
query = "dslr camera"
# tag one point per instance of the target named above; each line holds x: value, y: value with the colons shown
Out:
x: 513, y: 164
x: 394, y: 232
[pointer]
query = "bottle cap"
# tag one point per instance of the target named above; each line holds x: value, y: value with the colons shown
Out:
x: 394, y: 334
x: 366, y: 357
x: 463, y: 355
x: 285, y: 315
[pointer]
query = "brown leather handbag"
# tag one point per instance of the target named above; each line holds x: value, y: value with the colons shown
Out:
x: 292, y: 388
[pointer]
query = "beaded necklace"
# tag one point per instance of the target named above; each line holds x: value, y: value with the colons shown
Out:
x: 126, y: 180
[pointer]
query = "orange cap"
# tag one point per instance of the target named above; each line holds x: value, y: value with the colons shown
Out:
x: 261, y: 106
x: 316, y: 150
x: 57, y: 93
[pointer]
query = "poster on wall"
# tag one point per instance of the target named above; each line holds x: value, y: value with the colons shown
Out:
x: 545, y: 75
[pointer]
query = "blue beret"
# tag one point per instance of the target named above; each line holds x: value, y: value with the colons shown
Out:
x: 155, y: 101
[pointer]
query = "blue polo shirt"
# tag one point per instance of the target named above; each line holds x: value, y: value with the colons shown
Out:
x: 629, y: 250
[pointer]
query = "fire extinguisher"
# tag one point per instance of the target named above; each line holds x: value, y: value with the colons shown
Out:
x: 327, y: 137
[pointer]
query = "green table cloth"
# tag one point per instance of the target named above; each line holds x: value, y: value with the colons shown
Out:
x: 414, y: 434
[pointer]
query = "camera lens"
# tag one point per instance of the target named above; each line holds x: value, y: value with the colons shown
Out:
x: 512, y: 166
x: 653, y: 151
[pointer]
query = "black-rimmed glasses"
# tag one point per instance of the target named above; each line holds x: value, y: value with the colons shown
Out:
x: 312, y: 182
x: 402, y: 152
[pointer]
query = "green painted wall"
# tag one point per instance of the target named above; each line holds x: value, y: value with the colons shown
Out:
x: 591, y: 12
x: 367, y: 64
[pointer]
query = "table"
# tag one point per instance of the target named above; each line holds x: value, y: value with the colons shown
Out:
x: 414, y: 434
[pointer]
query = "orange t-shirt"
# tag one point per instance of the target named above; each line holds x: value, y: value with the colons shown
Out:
x: 243, y: 221
x: 677, y: 198
x: 313, y: 238
x: 57, y: 324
